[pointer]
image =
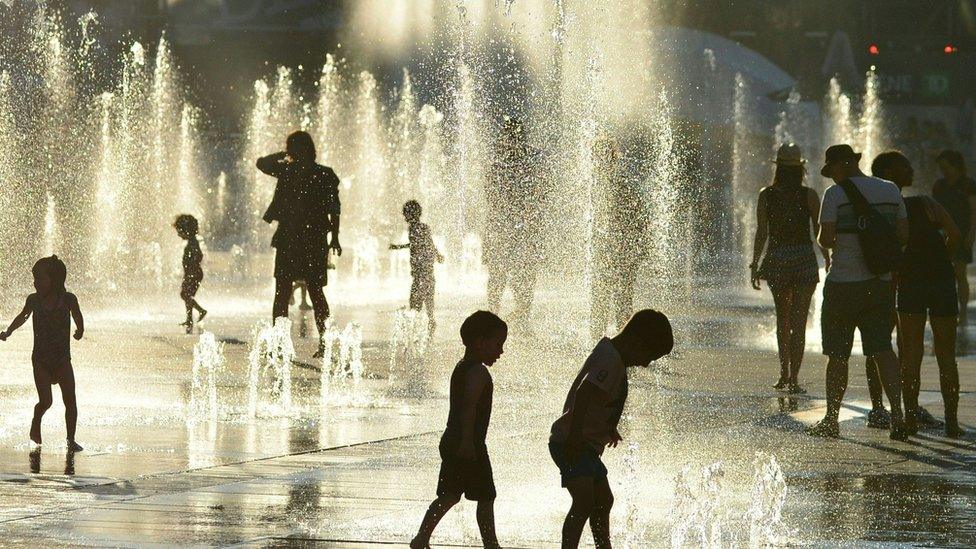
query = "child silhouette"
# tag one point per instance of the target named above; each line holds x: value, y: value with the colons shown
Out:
x: 53, y: 308
x: 423, y: 254
x: 187, y: 227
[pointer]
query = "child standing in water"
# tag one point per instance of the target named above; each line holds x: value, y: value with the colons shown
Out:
x: 423, y: 254
x: 465, y: 466
x: 187, y: 227
x: 53, y: 308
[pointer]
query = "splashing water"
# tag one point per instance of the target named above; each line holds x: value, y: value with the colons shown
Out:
x: 408, y: 357
x: 768, y: 497
x: 695, y: 512
x: 635, y: 522
x: 208, y: 360
x: 342, y: 363
x: 272, y: 352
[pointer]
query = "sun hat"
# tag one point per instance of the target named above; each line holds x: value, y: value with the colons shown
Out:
x: 839, y: 153
x: 789, y: 155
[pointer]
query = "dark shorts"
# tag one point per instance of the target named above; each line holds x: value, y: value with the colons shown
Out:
x: 934, y: 297
x: 422, y: 291
x: 301, y: 263
x: 866, y: 305
x: 471, y: 478
x: 588, y: 464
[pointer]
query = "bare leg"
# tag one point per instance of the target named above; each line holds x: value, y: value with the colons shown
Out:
x: 944, y: 335
x: 962, y: 287
x: 429, y: 305
x: 799, y: 311
x: 321, y: 306
x: 523, y: 286
x: 836, y: 386
x: 890, y: 374
x: 42, y: 381
x: 582, y: 491
x: 496, y: 287
x: 911, y: 333
x: 283, y: 292
x: 67, y: 383
x: 438, y: 508
x: 783, y: 298
x: 874, y: 384
x: 600, y: 517
x: 486, y: 523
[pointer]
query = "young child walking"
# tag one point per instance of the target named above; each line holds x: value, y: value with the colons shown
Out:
x: 423, y: 254
x: 52, y: 307
x: 465, y: 466
x: 590, y: 417
x: 187, y: 227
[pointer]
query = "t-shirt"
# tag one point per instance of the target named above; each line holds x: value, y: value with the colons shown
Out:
x: 605, y: 369
x: 423, y: 253
x: 846, y: 258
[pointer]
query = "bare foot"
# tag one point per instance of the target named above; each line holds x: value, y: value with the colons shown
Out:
x: 417, y: 544
x: 203, y: 313
x: 74, y: 446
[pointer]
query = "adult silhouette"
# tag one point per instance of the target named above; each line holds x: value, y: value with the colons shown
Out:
x: 306, y: 207
x: 512, y: 241
x: 785, y: 213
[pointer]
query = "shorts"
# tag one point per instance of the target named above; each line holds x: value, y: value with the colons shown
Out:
x: 936, y: 297
x: 867, y: 305
x: 471, y: 478
x: 422, y: 291
x: 588, y: 464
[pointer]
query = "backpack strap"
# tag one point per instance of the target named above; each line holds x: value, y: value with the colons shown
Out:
x: 856, y: 198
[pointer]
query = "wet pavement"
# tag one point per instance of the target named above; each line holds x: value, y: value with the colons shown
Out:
x: 702, y: 431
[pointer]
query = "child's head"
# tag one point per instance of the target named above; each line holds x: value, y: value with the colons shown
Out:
x: 650, y: 335
x: 412, y: 211
x: 484, y: 335
x: 50, y: 274
x: 186, y: 226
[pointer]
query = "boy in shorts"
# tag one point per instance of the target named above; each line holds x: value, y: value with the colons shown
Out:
x: 465, y: 466
x: 590, y: 416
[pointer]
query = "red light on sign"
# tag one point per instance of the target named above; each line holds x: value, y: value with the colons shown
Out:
x: 949, y: 48
x: 873, y: 49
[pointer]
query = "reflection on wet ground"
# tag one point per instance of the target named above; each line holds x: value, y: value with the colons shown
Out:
x: 364, y: 468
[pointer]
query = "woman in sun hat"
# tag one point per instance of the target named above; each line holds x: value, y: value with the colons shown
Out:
x: 785, y: 214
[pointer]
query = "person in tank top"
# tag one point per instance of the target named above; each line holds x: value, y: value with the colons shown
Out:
x: 465, y: 465
x: 957, y: 194
x: 785, y: 214
x: 926, y: 287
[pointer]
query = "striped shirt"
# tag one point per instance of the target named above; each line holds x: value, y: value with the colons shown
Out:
x: 847, y: 260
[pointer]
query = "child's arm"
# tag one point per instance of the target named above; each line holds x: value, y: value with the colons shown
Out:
x: 17, y: 322
x: 473, y: 388
x: 79, y: 320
